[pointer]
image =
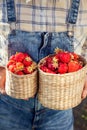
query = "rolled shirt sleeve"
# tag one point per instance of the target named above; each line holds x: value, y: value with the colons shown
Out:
x: 3, y: 50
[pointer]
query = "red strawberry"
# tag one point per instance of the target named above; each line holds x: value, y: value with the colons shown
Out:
x: 52, y: 62
x: 73, y: 66
x: 47, y: 70
x: 63, y: 68
x: 25, y: 55
x: 10, y: 62
x: 55, y: 62
x: 80, y: 66
x: 28, y: 70
x: 27, y: 61
x: 19, y: 66
x: 52, y: 66
x: 12, y: 57
x: 19, y: 57
x: 57, y: 56
x: 48, y: 59
x: 19, y: 73
x: 74, y: 56
x: 12, y: 68
x: 64, y: 57
x: 33, y: 65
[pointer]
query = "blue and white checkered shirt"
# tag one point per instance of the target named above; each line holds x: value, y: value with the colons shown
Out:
x: 46, y: 15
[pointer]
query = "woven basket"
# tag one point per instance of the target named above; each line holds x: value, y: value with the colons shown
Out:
x: 21, y: 87
x: 61, y: 91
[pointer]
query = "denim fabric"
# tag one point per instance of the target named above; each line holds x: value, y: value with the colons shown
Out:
x: 49, y: 119
x: 25, y: 42
x: 16, y: 114
x: 19, y: 114
x: 38, y: 44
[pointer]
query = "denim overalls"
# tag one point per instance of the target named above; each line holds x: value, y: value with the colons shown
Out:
x: 18, y: 114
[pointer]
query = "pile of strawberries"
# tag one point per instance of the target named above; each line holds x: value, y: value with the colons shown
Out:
x: 62, y: 62
x: 21, y: 64
x: 59, y: 63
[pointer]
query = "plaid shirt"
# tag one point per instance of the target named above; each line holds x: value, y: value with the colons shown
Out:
x: 46, y: 15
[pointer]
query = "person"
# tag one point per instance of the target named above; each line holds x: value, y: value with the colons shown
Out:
x: 41, y: 26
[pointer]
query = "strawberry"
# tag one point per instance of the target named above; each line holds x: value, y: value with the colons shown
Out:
x: 74, y: 56
x: 33, y: 65
x: 48, y: 59
x: 25, y: 55
x: 19, y: 73
x: 12, y: 57
x: 27, y: 61
x: 52, y: 66
x: 80, y: 66
x: 63, y: 68
x: 73, y: 66
x: 52, y: 62
x: 10, y: 62
x: 12, y: 68
x: 19, y: 66
x: 19, y: 57
x: 28, y: 70
x: 55, y: 61
x: 64, y: 57
x: 47, y: 70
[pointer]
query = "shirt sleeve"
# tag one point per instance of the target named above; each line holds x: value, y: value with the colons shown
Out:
x: 3, y: 51
x: 4, y: 31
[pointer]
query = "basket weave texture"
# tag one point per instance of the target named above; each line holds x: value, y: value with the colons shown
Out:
x: 21, y: 87
x: 61, y: 91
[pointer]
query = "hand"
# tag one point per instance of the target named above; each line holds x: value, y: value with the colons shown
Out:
x: 84, y: 93
x: 2, y: 80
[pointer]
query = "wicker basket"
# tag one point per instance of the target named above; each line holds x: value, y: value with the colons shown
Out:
x: 61, y: 91
x: 21, y: 87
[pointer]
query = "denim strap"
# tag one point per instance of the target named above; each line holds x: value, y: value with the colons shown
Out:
x: 11, y: 11
x: 11, y: 15
x: 73, y: 12
x: 72, y: 17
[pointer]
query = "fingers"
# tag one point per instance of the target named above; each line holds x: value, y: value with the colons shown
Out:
x: 2, y: 91
x: 2, y: 80
x: 84, y: 93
